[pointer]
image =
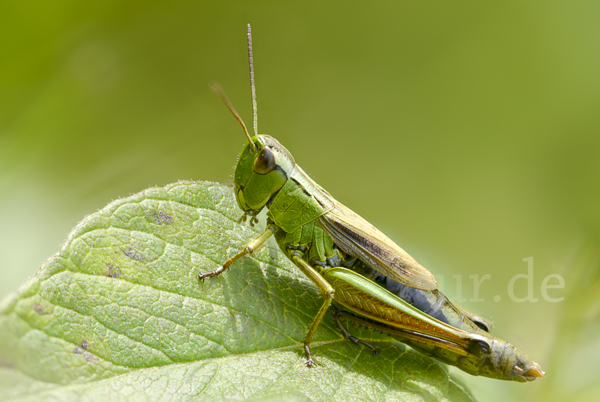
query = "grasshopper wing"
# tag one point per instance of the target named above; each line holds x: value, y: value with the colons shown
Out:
x: 357, y: 237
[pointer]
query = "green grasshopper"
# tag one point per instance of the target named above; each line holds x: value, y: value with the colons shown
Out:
x: 375, y: 282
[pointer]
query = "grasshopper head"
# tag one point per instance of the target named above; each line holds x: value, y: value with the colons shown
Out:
x: 264, y: 165
x: 260, y: 173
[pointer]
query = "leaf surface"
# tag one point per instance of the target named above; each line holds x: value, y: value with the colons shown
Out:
x: 119, y: 313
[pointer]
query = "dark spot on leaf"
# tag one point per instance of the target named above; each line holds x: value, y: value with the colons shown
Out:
x: 86, y: 355
x: 38, y: 309
x: 162, y: 218
x: 165, y: 218
x: 133, y: 254
x: 113, y: 271
x: 78, y: 350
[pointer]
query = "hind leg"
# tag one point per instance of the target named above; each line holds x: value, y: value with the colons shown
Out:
x: 347, y: 335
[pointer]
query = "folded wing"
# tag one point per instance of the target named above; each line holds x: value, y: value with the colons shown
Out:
x: 358, y: 238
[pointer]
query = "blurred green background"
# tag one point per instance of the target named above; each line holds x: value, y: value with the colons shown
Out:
x: 468, y: 132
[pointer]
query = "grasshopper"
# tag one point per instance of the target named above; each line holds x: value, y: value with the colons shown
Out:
x: 375, y: 282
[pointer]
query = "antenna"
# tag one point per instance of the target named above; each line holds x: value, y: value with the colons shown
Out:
x: 251, y: 63
x: 215, y: 87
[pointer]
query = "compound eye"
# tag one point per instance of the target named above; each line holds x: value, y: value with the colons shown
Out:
x: 264, y: 162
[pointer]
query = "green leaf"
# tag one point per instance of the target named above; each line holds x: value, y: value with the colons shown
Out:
x: 119, y: 312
